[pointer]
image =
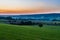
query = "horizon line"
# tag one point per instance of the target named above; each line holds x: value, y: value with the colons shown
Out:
x: 28, y: 13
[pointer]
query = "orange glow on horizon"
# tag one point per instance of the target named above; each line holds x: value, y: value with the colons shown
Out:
x: 27, y: 11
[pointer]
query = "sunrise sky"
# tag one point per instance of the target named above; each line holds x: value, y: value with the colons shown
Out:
x: 29, y: 6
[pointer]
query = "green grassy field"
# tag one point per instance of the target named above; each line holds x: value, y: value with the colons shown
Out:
x: 15, y: 32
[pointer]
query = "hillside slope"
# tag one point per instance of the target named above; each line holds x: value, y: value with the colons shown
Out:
x: 15, y: 32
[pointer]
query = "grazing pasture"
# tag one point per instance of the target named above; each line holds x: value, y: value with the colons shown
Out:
x: 29, y: 32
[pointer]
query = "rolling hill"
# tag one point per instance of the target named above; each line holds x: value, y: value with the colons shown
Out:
x: 43, y: 17
x: 24, y: 32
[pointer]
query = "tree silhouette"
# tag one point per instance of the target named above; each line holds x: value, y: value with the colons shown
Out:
x: 40, y: 25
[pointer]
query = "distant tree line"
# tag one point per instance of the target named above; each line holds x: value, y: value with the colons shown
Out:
x: 23, y: 22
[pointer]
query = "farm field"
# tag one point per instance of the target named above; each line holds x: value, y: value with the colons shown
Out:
x: 25, y: 32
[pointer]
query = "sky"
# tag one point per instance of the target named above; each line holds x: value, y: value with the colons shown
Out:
x: 29, y: 6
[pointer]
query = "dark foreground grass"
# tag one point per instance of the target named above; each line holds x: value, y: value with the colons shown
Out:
x: 14, y: 32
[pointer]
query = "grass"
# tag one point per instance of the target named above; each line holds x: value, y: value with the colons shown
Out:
x: 23, y: 32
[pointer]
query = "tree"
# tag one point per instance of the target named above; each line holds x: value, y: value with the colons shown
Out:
x: 40, y: 25
x: 29, y: 23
